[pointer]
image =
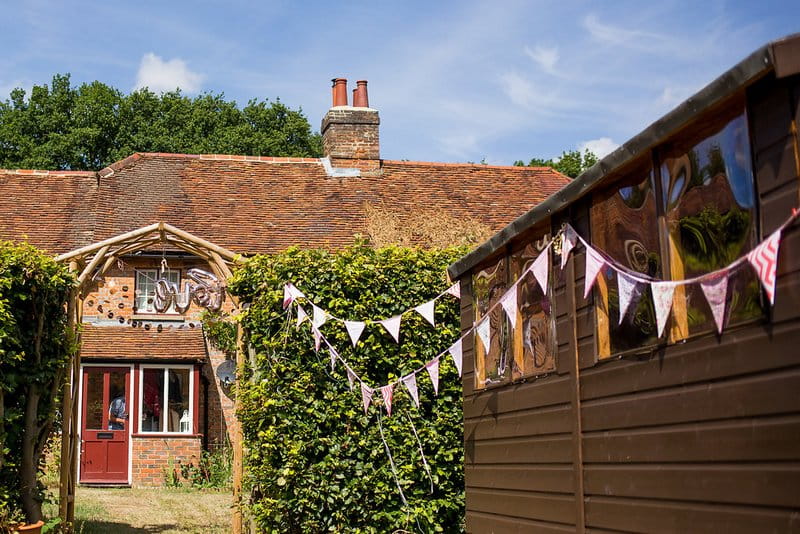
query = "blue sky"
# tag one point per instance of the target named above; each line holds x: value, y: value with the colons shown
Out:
x: 454, y: 81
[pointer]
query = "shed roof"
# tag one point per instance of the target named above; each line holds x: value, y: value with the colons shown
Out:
x: 127, y: 343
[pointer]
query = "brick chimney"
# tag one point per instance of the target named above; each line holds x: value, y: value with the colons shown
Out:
x: 350, y: 133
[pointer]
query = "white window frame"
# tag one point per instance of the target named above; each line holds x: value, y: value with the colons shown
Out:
x: 154, y: 274
x: 164, y: 397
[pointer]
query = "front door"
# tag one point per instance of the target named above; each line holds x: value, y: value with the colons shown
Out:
x: 104, y: 425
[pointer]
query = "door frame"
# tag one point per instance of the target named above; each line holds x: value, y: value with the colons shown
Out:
x: 132, y: 383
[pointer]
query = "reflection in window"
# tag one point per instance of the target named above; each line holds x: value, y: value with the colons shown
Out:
x: 488, y: 286
x: 152, y: 397
x: 175, y: 385
x: 94, y: 400
x: 178, y: 391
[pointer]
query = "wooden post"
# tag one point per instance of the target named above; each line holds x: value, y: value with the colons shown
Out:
x: 66, y: 415
x: 575, y: 401
x: 238, y: 440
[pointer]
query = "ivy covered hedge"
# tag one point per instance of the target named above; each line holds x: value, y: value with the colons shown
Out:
x: 34, y: 352
x: 314, y: 461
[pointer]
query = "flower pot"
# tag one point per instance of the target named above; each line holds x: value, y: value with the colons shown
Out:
x: 35, y: 528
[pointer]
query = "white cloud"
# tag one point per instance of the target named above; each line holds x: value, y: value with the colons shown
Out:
x: 7, y: 87
x: 600, y: 147
x: 159, y: 75
x: 545, y: 57
x: 518, y: 89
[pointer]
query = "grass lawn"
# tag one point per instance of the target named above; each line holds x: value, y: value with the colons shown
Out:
x: 156, y: 510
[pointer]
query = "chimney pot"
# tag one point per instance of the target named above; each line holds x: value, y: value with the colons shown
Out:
x: 360, y: 98
x: 339, y: 92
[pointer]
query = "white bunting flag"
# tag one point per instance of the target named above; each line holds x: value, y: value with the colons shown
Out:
x: 568, y: 242
x: 354, y: 329
x: 387, y: 392
x: 662, y: 299
x: 594, y: 262
x: 509, y: 304
x: 317, y: 338
x: 455, y: 352
x: 288, y: 297
x: 484, y: 330
x: 410, y: 382
x: 366, y: 396
x: 628, y: 293
x: 351, y: 378
x: 716, y: 291
x: 433, y: 370
x: 392, y: 325
x: 455, y: 290
x: 301, y: 316
x: 426, y: 310
x: 764, y: 259
x: 320, y: 316
x: 541, y: 268
x: 333, y: 354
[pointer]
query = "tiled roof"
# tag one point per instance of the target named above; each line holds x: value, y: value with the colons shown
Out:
x: 129, y: 343
x: 256, y: 204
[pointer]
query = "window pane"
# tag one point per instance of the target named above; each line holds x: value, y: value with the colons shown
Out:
x: 533, y: 339
x: 146, y: 288
x: 94, y: 400
x: 488, y: 286
x: 118, y: 404
x: 709, y: 201
x: 152, y: 400
x: 178, y: 419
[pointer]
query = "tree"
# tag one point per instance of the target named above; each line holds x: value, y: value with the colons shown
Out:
x: 93, y: 125
x: 571, y: 163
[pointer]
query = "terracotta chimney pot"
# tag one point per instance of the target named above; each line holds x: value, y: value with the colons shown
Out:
x: 339, y: 92
x: 360, y: 98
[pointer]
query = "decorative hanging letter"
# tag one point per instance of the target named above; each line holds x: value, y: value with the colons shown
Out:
x: 301, y: 316
x: 366, y: 396
x: 716, y: 291
x: 387, y: 392
x: 455, y: 352
x: 594, y: 262
x: 764, y: 259
x: 509, y: 304
x: 484, y: 330
x: 410, y: 382
x: 628, y: 293
x: 320, y: 316
x: 426, y: 310
x: 455, y: 289
x: 569, y: 240
x: 541, y: 268
x: 433, y: 370
x: 354, y: 329
x: 662, y: 298
x: 351, y: 377
x: 392, y: 325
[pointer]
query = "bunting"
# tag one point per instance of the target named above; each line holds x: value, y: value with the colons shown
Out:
x: 351, y: 377
x: 354, y: 330
x: 568, y: 241
x: 320, y: 316
x: 427, y: 310
x: 662, y: 299
x: 301, y: 316
x: 433, y: 370
x: 628, y: 293
x: 764, y: 259
x: 333, y: 355
x: 594, y: 262
x: 366, y: 396
x: 455, y: 352
x: 716, y: 291
x: 483, y: 328
x: 509, y: 304
x: 541, y: 268
x: 410, y: 382
x: 387, y: 392
x: 455, y: 289
x: 317, y: 338
x: 392, y: 325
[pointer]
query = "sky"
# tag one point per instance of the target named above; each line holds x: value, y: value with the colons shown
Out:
x: 453, y: 80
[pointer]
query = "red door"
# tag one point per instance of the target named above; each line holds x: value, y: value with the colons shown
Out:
x: 104, y: 425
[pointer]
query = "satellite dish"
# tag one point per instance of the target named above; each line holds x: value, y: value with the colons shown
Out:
x: 226, y: 372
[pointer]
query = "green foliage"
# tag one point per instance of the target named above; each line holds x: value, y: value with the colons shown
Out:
x: 213, y: 471
x: 220, y: 331
x: 34, y: 350
x: 571, y: 163
x: 93, y: 125
x: 315, y: 462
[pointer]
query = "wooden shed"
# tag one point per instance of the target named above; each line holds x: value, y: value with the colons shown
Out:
x: 576, y: 420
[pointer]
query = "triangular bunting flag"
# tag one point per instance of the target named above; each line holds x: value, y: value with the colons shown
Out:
x: 716, y: 291
x: 455, y: 290
x: 351, y: 377
x: 317, y: 338
x: 483, y: 328
x: 541, y: 268
x: 366, y: 396
x: 386, y: 393
x: 455, y: 352
x: 662, y: 299
x: 628, y: 293
x: 426, y: 310
x: 568, y: 242
x: 288, y: 296
x: 509, y: 304
x: 594, y: 262
x: 354, y: 329
x: 333, y: 354
x: 301, y: 316
x: 764, y: 259
x: 320, y: 316
x: 433, y: 370
x: 392, y: 325
x: 410, y: 382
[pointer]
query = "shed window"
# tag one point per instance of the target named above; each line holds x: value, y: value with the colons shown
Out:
x: 165, y: 399
x: 488, y: 286
x: 146, y: 288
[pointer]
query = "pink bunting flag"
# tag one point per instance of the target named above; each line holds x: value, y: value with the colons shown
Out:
x: 455, y: 352
x: 354, y: 330
x: 662, y: 299
x: 288, y: 298
x: 317, y: 338
x: 351, y: 378
x: 509, y: 304
x: 387, y: 392
x: 433, y: 369
x: 716, y: 291
x: 320, y: 316
x: 301, y: 316
x: 764, y: 259
x: 541, y: 268
x: 594, y: 262
x: 333, y: 354
x: 568, y: 242
x: 484, y: 331
x: 392, y: 325
x: 426, y: 310
x: 455, y: 290
x: 410, y: 382
x: 628, y: 293
x: 366, y: 396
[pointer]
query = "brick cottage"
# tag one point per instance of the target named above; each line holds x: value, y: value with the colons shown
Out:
x: 149, y: 395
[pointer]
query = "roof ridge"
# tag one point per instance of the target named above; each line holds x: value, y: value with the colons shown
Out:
x: 42, y: 172
x: 476, y: 165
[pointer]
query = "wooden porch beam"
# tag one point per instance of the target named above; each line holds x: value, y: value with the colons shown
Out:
x: 88, y: 249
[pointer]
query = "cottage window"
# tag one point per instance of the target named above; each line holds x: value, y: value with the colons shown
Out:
x: 146, y: 288
x: 165, y: 399
x: 488, y: 286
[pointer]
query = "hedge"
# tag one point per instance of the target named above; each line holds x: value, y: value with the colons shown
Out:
x: 314, y: 461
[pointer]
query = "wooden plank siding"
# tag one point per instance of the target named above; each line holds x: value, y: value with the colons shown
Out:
x: 697, y: 436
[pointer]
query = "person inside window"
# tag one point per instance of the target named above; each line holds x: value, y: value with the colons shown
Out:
x: 117, y: 413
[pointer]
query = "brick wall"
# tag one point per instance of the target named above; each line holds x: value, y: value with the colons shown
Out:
x: 350, y: 137
x: 153, y: 457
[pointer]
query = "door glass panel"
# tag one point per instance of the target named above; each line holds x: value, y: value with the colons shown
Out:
x: 94, y: 400
x: 179, y: 420
x: 488, y: 286
x: 118, y: 403
x: 152, y: 400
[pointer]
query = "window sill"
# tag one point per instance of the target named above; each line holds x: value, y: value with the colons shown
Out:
x: 165, y: 435
x: 177, y: 317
